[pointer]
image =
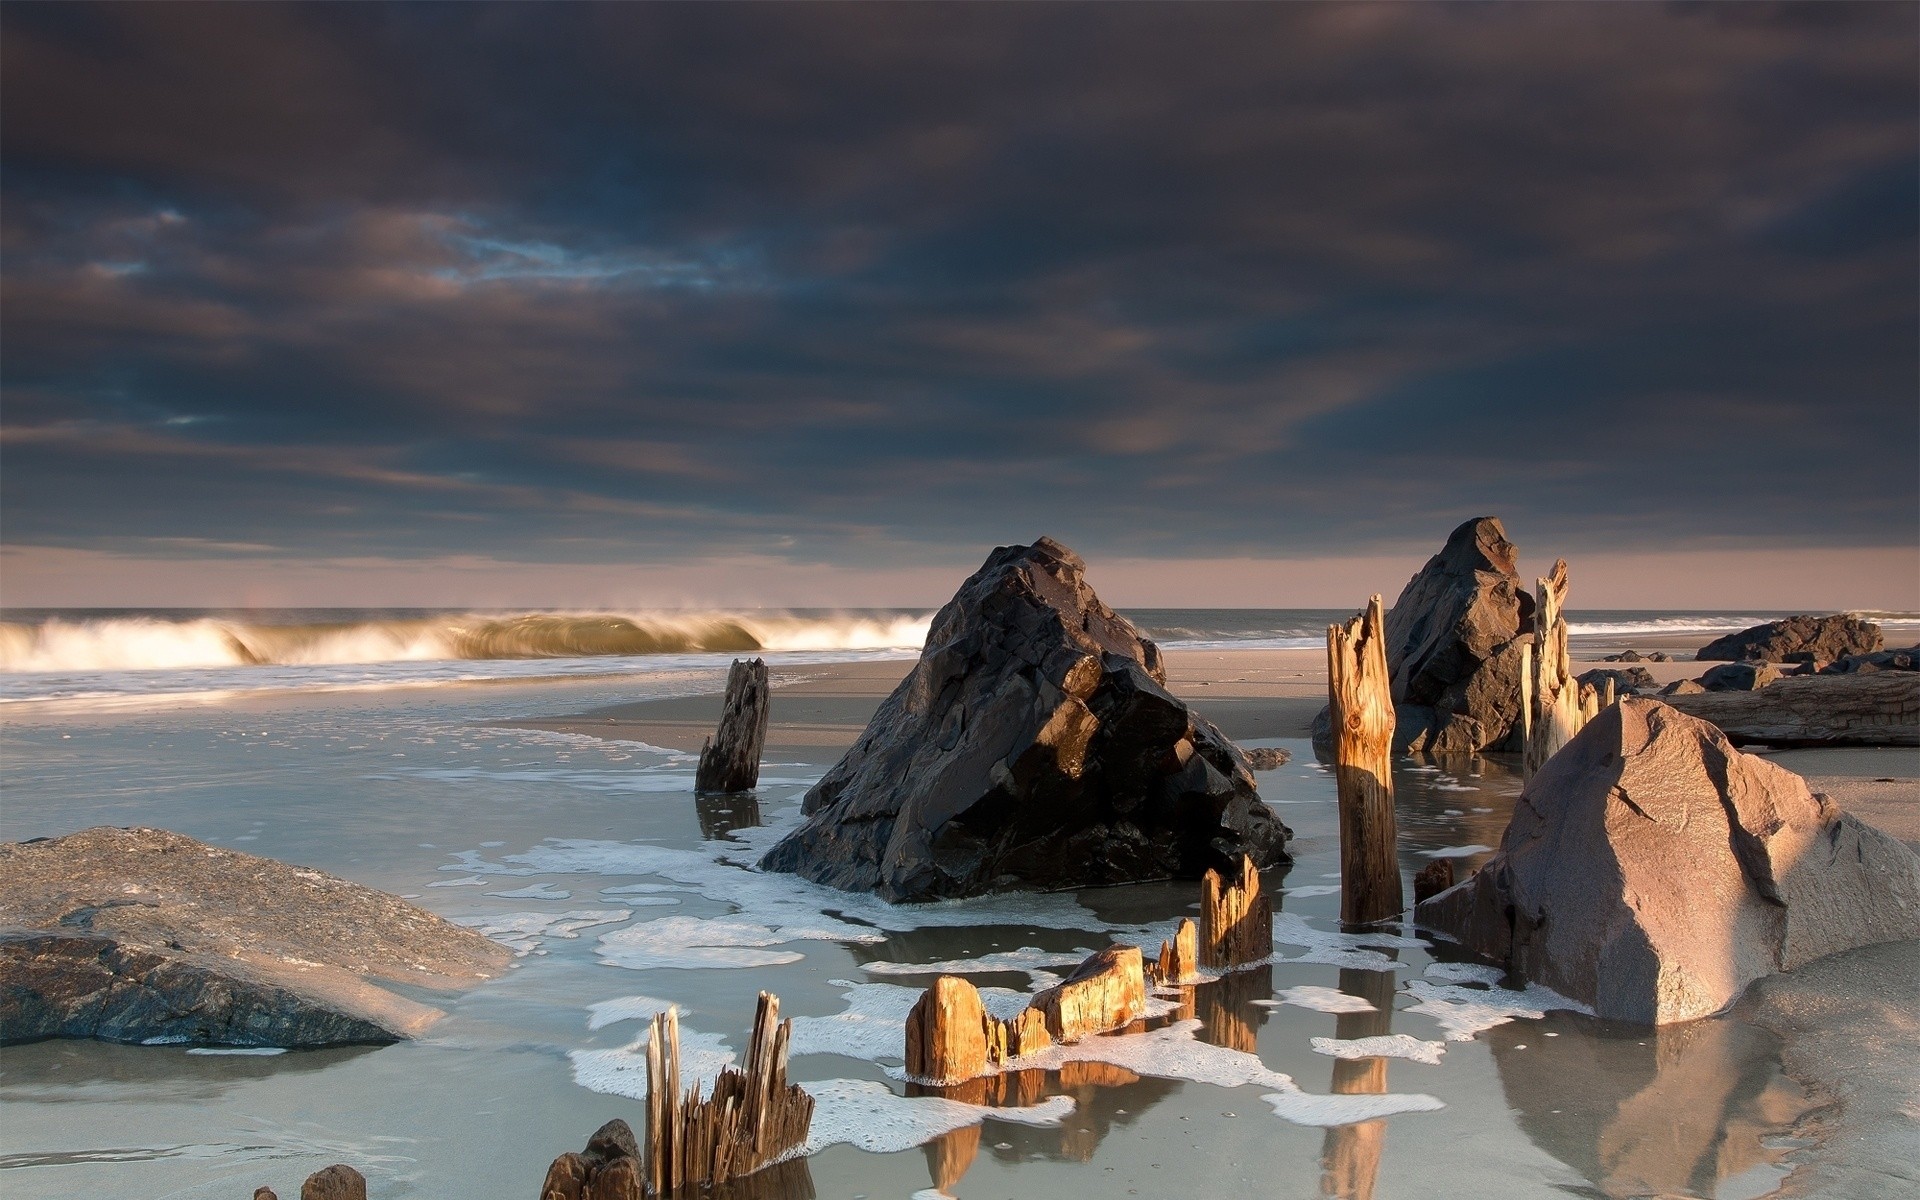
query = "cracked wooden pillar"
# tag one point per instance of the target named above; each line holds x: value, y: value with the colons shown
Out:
x: 1360, y: 705
x: 1554, y: 694
x: 730, y: 760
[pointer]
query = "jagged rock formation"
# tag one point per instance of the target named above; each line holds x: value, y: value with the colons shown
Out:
x: 1456, y: 637
x: 1796, y: 639
x: 1653, y: 871
x: 1034, y: 745
x: 131, y: 935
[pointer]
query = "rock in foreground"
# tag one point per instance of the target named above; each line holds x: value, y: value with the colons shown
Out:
x: 1034, y: 745
x: 1819, y: 639
x: 137, y: 935
x: 1652, y: 871
x: 1455, y: 638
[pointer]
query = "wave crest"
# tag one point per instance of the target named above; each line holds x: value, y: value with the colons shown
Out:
x: 157, y: 643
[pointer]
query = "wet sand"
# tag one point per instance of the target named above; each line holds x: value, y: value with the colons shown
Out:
x: 1850, y: 1024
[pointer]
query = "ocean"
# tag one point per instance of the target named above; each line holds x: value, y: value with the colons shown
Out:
x: 389, y: 748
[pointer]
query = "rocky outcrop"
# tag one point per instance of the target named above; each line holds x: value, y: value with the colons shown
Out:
x: 1652, y: 871
x: 1626, y: 682
x: 1739, y: 677
x: 1455, y: 640
x: 140, y: 935
x: 1796, y: 639
x: 1034, y: 745
x: 1874, y: 709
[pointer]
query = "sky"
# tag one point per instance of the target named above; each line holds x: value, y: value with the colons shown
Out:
x: 815, y: 303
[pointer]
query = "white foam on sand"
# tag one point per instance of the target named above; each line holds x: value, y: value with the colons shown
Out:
x: 522, y: 932
x: 533, y: 891
x: 873, y: 1117
x: 469, y: 881
x: 1463, y: 1012
x: 1398, y: 1045
x: 1459, y: 972
x: 253, y: 1051
x: 1455, y: 851
x: 1319, y: 999
x: 1335, y: 949
x: 1029, y: 959
x: 1306, y: 890
x: 693, y: 942
x: 625, y: 1008
x: 623, y: 1071
x: 1305, y: 1108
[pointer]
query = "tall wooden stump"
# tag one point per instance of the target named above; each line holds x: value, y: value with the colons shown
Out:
x: 1236, y: 919
x: 1360, y: 706
x: 753, y: 1117
x: 1553, y: 694
x: 730, y: 760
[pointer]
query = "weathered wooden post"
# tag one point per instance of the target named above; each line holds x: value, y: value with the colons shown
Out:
x: 730, y: 760
x: 1180, y: 954
x: 1360, y: 708
x: 1236, y: 919
x: 1557, y: 712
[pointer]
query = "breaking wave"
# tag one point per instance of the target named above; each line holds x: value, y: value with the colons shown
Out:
x: 157, y: 643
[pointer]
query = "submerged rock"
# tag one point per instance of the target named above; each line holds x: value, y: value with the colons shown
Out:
x: 1455, y: 639
x: 1652, y: 871
x: 140, y: 935
x: 1034, y: 745
x: 1823, y: 638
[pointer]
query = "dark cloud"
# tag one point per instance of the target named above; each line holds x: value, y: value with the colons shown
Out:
x: 865, y: 283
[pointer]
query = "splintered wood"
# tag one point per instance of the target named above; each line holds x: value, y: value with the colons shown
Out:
x: 1553, y: 699
x: 752, y: 1118
x: 1180, y: 955
x: 1108, y: 991
x: 1360, y: 705
x: 730, y: 760
x: 1236, y: 919
x: 951, y: 1037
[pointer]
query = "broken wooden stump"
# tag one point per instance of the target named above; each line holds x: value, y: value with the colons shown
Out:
x: 730, y: 760
x: 1434, y: 878
x: 1180, y: 955
x: 1108, y: 991
x: 1361, y: 719
x: 1236, y: 919
x: 1552, y: 696
x: 951, y: 1037
x: 752, y: 1118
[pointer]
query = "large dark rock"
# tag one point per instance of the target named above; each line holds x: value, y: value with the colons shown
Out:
x: 1652, y: 871
x: 138, y: 935
x: 1034, y: 745
x: 1455, y: 640
x: 1794, y: 639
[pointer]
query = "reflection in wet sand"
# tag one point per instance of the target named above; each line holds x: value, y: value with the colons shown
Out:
x: 720, y: 815
x: 789, y: 1180
x: 1658, y: 1111
x: 1350, y: 1154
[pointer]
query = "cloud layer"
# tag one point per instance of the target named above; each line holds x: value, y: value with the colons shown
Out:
x: 879, y: 285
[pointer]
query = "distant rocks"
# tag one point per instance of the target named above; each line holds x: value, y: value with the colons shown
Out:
x: 141, y: 935
x: 1625, y: 682
x: 1034, y: 745
x: 1872, y: 709
x: 1634, y: 656
x: 1455, y: 639
x: 1739, y: 677
x: 1652, y: 871
x: 1683, y: 687
x: 1882, y: 660
x: 1818, y: 638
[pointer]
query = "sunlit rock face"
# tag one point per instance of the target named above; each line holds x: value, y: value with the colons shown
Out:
x: 1652, y: 871
x: 1034, y: 745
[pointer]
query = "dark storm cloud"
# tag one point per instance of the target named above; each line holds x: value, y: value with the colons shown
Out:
x: 866, y: 283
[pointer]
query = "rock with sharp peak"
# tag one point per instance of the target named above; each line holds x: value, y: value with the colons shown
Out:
x: 1652, y: 871
x: 1033, y: 746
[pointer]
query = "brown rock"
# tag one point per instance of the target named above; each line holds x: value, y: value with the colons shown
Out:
x: 1034, y: 745
x: 133, y: 934
x: 1682, y: 687
x: 1739, y: 677
x: 337, y: 1182
x: 566, y: 1178
x: 1108, y: 991
x: 1434, y: 878
x: 1782, y: 641
x: 1266, y: 758
x: 1652, y: 871
x: 265, y: 1193
x: 618, y: 1180
x: 613, y: 1140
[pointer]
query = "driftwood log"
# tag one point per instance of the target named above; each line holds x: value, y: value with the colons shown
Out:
x: 1108, y: 991
x: 730, y: 760
x: 1881, y: 709
x: 1236, y: 919
x: 753, y: 1117
x: 1360, y: 710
